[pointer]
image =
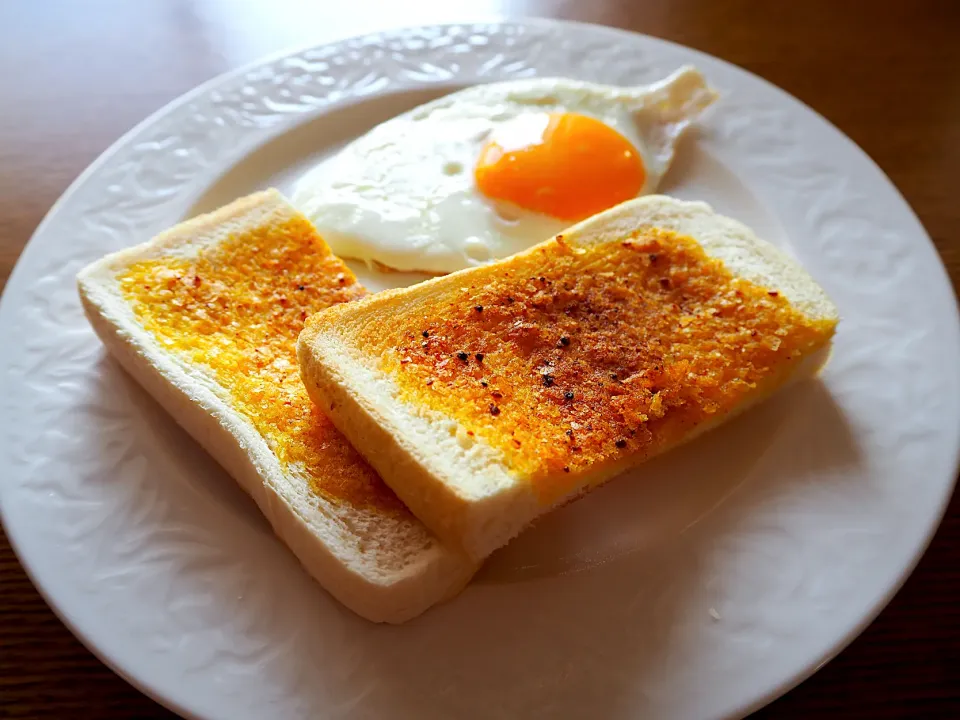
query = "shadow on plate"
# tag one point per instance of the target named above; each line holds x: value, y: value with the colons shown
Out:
x: 656, y: 502
x: 526, y: 639
x: 600, y: 644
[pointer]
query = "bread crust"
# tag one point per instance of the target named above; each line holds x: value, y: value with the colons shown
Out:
x: 411, y: 446
x: 384, y: 568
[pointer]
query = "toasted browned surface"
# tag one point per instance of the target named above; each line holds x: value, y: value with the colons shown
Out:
x: 569, y: 356
x: 236, y: 308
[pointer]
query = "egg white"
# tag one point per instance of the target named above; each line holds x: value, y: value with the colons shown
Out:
x: 403, y: 195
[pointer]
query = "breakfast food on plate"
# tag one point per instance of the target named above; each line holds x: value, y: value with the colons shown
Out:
x: 206, y: 316
x: 493, y: 169
x: 487, y: 397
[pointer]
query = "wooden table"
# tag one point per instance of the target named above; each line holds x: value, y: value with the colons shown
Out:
x: 75, y: 75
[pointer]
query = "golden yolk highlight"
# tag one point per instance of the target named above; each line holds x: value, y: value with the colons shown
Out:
x: 575, y: 167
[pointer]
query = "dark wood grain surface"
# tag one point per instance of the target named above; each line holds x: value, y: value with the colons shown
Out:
x: 75, y: 75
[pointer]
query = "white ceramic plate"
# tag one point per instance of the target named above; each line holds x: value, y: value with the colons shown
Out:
x: 703, y: 586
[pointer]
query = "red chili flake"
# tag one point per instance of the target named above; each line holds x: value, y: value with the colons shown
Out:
x: 479, y: 357
x: 665, y: 283
x: 496, y: 395
x: 773, y: 293
x: 429, y: 382
x: 566, y: 469
x: 753, y: 333
x: 494, y: 410
x: 196, y: 281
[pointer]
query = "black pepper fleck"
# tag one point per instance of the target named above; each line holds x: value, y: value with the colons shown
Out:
x: 547, y: 380
x: 479, y: 357
x: 478, y: 308
x: 621, y: 443
x: 569, y: 433
x: 568, y: 395
x: 510, y: 300
x: 426, y: 333
x: 564, y: 341
x: 494, y: 410
x: 665, y: 283
x: 484, y: 383
x: 463, y: 356
x: 301, y: 287
x: 566, y: 469
x: 653, y: 257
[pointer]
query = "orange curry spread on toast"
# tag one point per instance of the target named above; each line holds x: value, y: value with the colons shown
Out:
x: 235, y: 310
x: 567, y: 357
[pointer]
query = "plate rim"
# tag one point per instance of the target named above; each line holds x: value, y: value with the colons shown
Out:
x: 13, y: 281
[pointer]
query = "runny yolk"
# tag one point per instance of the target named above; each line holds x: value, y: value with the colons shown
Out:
x: 565, y: 165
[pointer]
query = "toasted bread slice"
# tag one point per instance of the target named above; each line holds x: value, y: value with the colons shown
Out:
x: 489, y: 396
x: 205, y: 316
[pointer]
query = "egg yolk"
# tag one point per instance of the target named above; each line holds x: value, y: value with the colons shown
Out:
x: 565, y: 165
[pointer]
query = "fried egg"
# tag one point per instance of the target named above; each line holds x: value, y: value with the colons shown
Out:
x: 493, y: 169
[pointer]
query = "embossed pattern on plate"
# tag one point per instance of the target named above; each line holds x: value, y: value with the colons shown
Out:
x: 150, y: 554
